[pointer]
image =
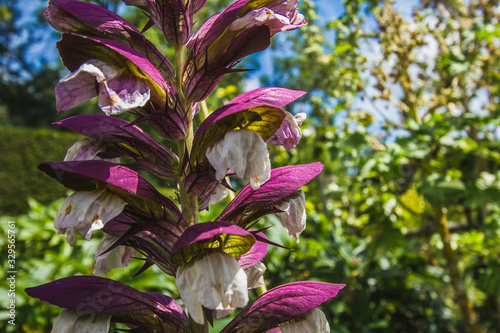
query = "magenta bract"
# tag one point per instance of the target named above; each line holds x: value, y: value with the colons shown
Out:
x: 104, y: 296
x: 281, y: 304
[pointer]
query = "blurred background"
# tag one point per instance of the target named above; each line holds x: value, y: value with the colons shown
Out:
x: 403, y: 111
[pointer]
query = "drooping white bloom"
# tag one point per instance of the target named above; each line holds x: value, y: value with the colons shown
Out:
x: 218, y: 194
x: 85, y: 150
x: 255, y: 279
x: 255, y: 275
x: 71, y: 321
x: 277, y: 15
x: 215, y: 281
x: 243, y: 152
x: 86, y: 211
x: 120, y: 256
x: 312, y: 322
x: 293, y: 218
x: 119, y: 90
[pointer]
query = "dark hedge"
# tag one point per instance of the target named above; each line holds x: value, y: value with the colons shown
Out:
x: 21, y: 151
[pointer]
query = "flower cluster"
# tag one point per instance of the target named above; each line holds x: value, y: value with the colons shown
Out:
x: 215, y: 263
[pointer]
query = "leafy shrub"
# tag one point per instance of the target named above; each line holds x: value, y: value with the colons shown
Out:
x: 22, y: 151
x: 42, y: 256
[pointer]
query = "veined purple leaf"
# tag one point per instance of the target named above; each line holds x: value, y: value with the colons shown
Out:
x: 105, y: 128
x: 96, y: 17
x: 76, y: 49
x: 202, y: 82
x: 85, y: 176
x: 275, y: 96
x: 203, y: 76
x: 228, y: 237
x: 262, y: 119
x: 83, y: 17
x: 282, y: 304
x: 283, y: 182
x: 197, y: 5
x: 215, y: 26
x: 104, y: 296
x: 248, y: 42
x: 174, y: 18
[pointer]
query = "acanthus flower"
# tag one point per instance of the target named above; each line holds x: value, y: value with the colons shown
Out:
x: 75, y: 321
x: 293, y: 214
x: 313, y: 321
x: 87, y: 149
x: 215, y: 281
x: 243, y: 152
x: 106, y: 258
x: 87, y: 211
x: 215, y: 264
x: 289, y: 134
x: 118, y: 92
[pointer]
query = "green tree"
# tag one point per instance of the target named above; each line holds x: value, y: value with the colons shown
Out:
x: 404, y: 116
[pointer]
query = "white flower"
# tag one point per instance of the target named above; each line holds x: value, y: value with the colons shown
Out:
x: 245, y: 153
x: 312, y: 322
x: 255, y: 279
x: 86, y: 211
x: 215, y: 281
x: 119, y: 90
x: 120, y: 256
x: 293, y: 218
x: 255, y: 275
x: 218, y: 194
x: 87, y: 149
x: 71, y: 321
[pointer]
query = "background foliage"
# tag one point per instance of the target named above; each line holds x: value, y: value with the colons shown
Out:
x: 403, y: 111
x: 22, y: 150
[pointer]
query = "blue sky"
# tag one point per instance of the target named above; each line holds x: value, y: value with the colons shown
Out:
x: 46, y: 51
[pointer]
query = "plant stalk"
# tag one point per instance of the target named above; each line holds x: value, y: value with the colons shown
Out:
x: 457, y: 282
x: 189, y: 203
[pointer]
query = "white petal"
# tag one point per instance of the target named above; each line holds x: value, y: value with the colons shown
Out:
x: 123, y: 93
x: 245, y: 153
x: 82, y: 150
x: 120, y: 256
x: 255, y: 275
x: 293, y: 218
x: 215, y: 281
x: 219, y: 193
x: 312, y: 322
x: 87, y: 149
x: 71, y: 321
x: 87, y: 211
x: 119, y: 90
x: 79, y: 86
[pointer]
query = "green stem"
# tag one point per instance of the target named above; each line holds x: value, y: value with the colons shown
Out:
x: 204, y: 110
x: 457, y: 281
x: 189, y: 203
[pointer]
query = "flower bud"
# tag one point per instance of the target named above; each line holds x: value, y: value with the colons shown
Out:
x: 289, y: 134
x: 69, y: 321
x: 293, y: 216
x: 120, y: 256
x: 87, y: 149
x: 313, y: 321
